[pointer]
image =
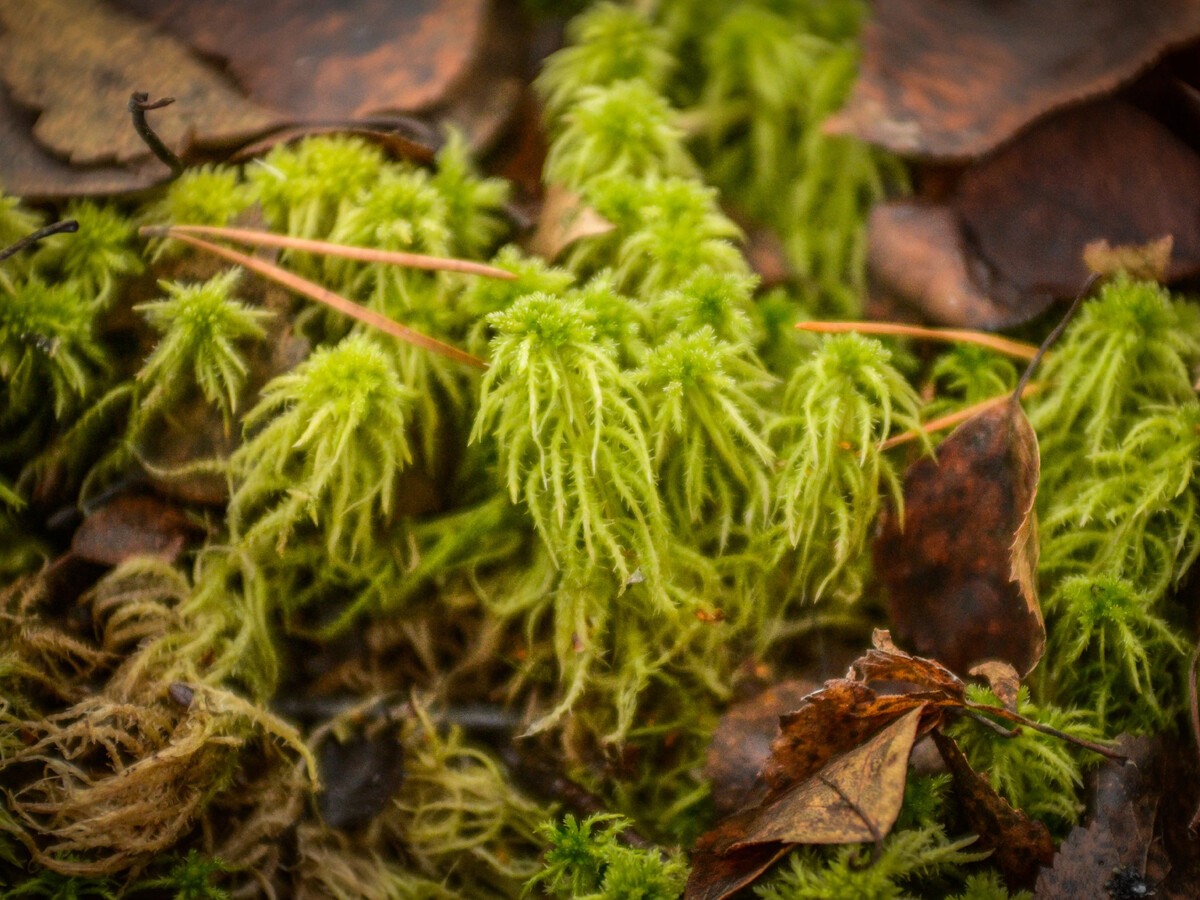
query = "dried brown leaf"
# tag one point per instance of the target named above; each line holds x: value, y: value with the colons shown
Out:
x: 565, y: 219
x: 1003, y: 680
x: 77, y: 61
x: 1021, y: 845
x: 960, y: 574
x: 133, y: 525
x: 954, y: 80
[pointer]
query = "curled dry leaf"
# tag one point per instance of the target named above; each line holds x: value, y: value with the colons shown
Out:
x: 1021, y: 845
x: 563, y: 220
x: 1002, y: 679
x: 856, y: 797
x: 77, y: 61
x: 961, y: 573
x: 955, y: 80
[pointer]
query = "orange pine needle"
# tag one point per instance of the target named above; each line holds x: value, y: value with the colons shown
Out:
x: 329, y: 298
x: 1016, y: 349
x: 324, y: 248
x: 954, y: 418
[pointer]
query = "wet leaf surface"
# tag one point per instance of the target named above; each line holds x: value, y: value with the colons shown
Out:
x: 960, y: 575
x: 954, y: 80
x: 1075, y: 178
x: 77, y: 61
x: 1020, y: 844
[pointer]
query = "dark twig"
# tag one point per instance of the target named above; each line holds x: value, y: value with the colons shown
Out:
x: 1002, y: 713
x: 139, y: 103
x: 1194, y: 825
x: 867, y: 820
x: 66, y: 226
x: 1052, y: 337
x: 995, y: 726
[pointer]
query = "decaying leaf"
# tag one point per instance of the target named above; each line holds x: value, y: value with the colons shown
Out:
x: 342, y: 59
x: 1077, y: 177
x: 918, y: 260
x: 1145, y: 262
x: 133, y: 525
x: 1021, y: 845
x: 742, y: 743
x: 565, y: 219
x: 76, y: 62
x: 856, y: 797
x: 961, y: 573
x: 1003, y: 680
x: 954, y: 80
x: 359, y: 776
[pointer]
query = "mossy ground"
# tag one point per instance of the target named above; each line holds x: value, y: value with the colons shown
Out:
x: 544, y: 583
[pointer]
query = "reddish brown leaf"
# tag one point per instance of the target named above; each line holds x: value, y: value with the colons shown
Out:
x: 918, y: 260
x: 953, y: 80
x: 715, y: 876
x: 960, y: 575
x: 1075, y: 178
x: 338, y: 59
x: 1003, y: 680
x: 1020, y: 844
x: 133, y: 525
x: 742, y: 743
x: 77, y: 61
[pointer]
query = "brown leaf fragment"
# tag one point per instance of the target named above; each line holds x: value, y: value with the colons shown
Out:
x: 960, y: 574
x: 1078, y: 177
x: 715, y: 876
x: 887, y: 663
x: 565, y: 219
x: 871, y: 780
x: 918, y: 260
x: 1145, y: 262
x: 1021, y: 845
x: 77, y: 61
x: 742, y: 743
x: 133, y: 525
x: 339, y: 59
x: 953, y: 80
x: 1002, y: 678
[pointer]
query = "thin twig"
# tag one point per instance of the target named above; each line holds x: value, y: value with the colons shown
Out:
x: 1016, y: 349
x: 139, y: 103
x: 1053, y: 336
x: 871, y: 826
x: 324, y: 248
x: 1002, y: 713
x: 333, y: 301
x: 995, y: 726
x: 953, y: 418
x: 65, y: 226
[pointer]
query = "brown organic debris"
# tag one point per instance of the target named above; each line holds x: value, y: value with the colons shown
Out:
x: 77, y: 61
x: 133, y: 525
x: 1145, y: 262
x: 954, y: 80
x: 1002, y: 679
x: 1021, y: 845
x: 960, y: 574
x: 564, y: 219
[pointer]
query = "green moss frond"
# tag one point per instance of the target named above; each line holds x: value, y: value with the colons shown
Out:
x: 908, y: 857
x: 96, y: 256
x: 302, y: 186
x: 48, y: 351
x: 484, y: 296
x: 988, y: 886
x: 202, y: 195
x: 722, y: 301
x: 201, y: 325
x: 1035, y: 772
x: 473, y: 204
x: 607, y: 43
x: 190, y: 877
x: 620, y: 129
x: 1112, y: 654
x: 325, y: 445
x: 707, y: 418
x: 572, y: 446
x: 968, y: 374
x: 837, y: 407
x: 587, y: 860
x: 48, y: 885
x: 16, y: 222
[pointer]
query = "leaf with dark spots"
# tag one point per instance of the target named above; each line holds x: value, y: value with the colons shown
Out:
x: 742, y: 743
x: 1078, y: 177
x: 76, y: 62
x: 1021, y: 845
x: 920, y: 261
x: 1119, y: 833
x: 960, y: 575
x: 133, y: 525
x: 342, y: 59
x: 954, y: 80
